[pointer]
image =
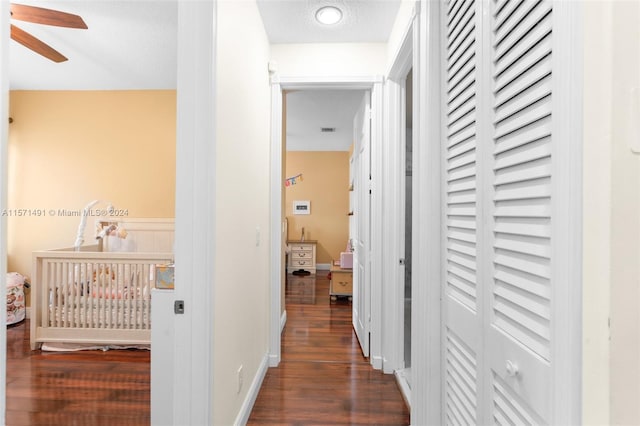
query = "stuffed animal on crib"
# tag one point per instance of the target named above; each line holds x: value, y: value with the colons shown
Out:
x: 104, y: 275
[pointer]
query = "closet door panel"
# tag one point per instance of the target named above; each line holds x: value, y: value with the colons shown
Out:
x: 519, y: 337
x: 461, y: 324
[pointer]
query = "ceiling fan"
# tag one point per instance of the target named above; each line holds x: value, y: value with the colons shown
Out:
x: 39, y: 15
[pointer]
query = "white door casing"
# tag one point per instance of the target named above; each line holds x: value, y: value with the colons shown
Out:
x: 280, y: 84
x: 4, y: 137
x: 394, y: 195
x: 195, y: 213
x: 362, y: 219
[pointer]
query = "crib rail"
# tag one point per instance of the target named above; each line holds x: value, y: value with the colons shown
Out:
x: 93, y: 297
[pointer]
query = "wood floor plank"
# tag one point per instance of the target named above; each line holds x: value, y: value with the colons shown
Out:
x: 323, y: 377
x: 78, y: 388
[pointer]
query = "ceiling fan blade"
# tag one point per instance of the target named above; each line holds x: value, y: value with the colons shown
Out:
x: 40, y: 15
x: 38, y: 46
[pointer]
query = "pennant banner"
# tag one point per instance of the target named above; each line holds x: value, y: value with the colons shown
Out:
x: 293, y: 180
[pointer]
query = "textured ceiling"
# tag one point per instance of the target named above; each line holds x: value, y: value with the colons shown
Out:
x: 128, y: 45
x: 131, y: 44
x: 310, y: 110
x: 293, y: 21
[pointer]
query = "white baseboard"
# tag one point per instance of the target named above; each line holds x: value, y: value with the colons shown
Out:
x: 283, y: 320
x: 376, y: 362
x: 403, y: 384
x: 252, y: 394
x: 323, y: 266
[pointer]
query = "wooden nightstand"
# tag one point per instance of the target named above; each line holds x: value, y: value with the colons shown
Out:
x: 302, y: 255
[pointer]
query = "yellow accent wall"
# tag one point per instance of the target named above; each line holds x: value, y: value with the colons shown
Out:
x: 67, y: 148
x: 326, y: 184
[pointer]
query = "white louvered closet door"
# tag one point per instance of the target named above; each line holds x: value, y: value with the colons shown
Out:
x: 462, y: 325
x: 519, y: 336
x: 497, y: 212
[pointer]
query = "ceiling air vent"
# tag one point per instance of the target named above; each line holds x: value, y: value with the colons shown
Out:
x: 327, y: 129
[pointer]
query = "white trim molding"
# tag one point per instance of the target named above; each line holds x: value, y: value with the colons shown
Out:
x: 426, y: 377
x: 283, y: 320
x: 252, y: 394
x: 276, y: 226
x: 566, y: 226
x: 195, y: 213
x: 278, y: 85
x: 4, y: 140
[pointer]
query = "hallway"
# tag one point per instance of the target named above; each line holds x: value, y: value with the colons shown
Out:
x: 323, y: 377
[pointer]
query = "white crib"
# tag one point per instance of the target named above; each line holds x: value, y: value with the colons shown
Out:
x: 98, y: 297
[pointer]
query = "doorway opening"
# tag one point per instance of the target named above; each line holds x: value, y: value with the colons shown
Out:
x: 408, y: 222
x: 318, y: 141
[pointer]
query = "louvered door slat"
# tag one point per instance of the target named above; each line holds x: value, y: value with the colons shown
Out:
x: 462, y: 185
x: 519, y: 279
x: 527, y: 117
x: 512, y: 407
x: 462, y: 247
x: 459, y: 23
x: 503, y: 9
x: 535, y: 73
x: 453, y: 8
x: 461, y: 148
x: 461, y: 373
x: 462, y: 68
x: 460, y: 91
x: 535, y: 36
x: 524, y: 299
x: 533, y: 132
x: 537, y: 91
x: 524, y: 19
x: 540, y: 168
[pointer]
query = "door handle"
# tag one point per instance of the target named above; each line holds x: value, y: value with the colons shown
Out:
x: 512, y: 369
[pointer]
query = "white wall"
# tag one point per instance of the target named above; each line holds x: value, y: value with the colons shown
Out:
x: 330, y: 59
x: 611, y: 368
x: 596, y: 213
x: 242, y: 171
x: 625, y: 218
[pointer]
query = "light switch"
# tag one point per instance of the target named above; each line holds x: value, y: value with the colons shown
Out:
x: 634, y: 139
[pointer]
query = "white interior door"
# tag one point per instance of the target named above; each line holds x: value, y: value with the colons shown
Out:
x: 361, y: 216
x: 497, y: 322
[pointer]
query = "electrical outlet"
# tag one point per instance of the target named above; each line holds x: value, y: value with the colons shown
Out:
x: 240, y: 379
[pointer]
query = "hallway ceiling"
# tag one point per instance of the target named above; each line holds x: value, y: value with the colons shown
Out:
x: 293, y: 21
x: 310, y: 110
x: 131, y: 44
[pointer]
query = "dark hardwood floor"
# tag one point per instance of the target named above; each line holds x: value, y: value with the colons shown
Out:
x: 80, y: 388
x: 323, y: 378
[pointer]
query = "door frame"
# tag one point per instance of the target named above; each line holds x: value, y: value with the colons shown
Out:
x: 195, y: 209
x: 279, y: 84
x: 4, y: 141
x: 405, y: 59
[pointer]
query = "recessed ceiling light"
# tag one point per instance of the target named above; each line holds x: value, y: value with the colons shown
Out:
x: 329, y: 15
